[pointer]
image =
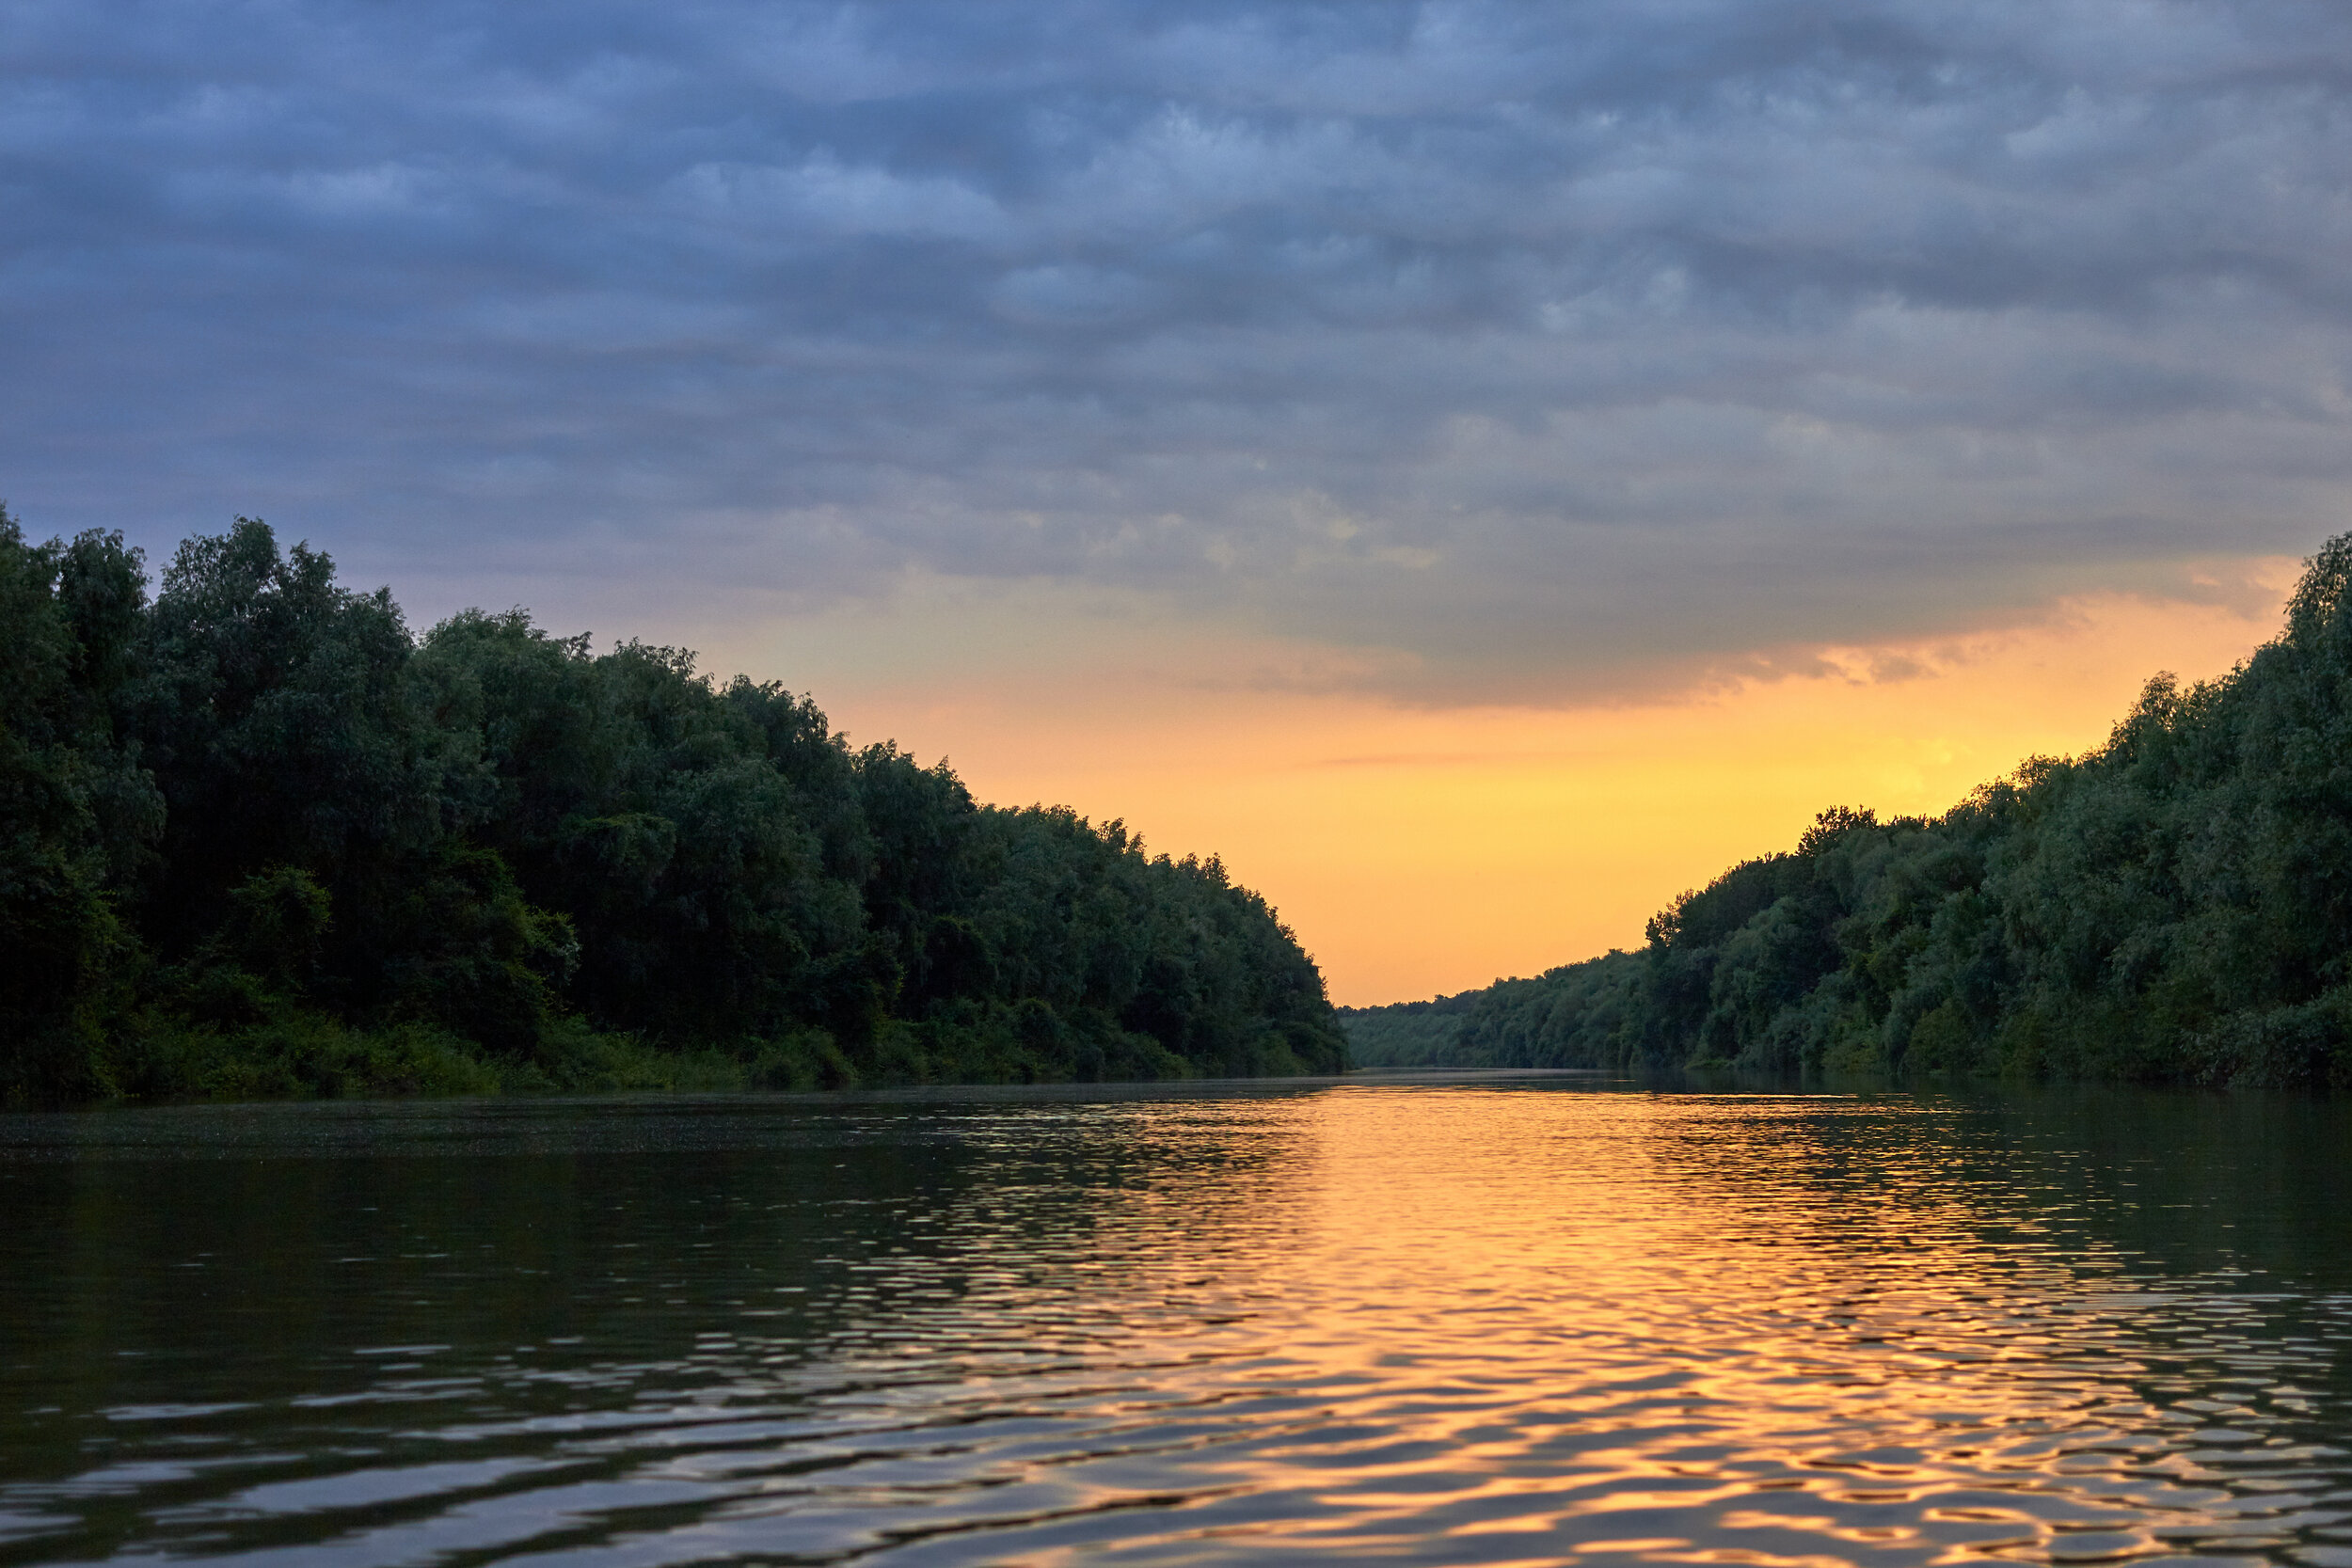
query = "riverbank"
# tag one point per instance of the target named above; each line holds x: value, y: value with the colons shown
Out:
x: 299, y: 1055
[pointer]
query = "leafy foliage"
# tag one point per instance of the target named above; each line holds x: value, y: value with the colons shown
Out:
x: 2175, y: 906
x: 256, y: 837
x: 1407, y: 1034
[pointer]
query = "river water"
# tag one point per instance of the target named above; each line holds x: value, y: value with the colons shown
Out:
x: 1517, y: 1320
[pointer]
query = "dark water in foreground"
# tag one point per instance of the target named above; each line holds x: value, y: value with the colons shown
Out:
x: 1527, y: 1320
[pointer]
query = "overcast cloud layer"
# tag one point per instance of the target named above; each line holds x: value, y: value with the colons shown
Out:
x: 1514, y: 348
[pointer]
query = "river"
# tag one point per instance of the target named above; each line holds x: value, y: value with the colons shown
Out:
x: 1521, y: 1319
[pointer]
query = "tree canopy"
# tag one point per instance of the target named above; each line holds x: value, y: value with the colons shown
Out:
x: 2175, y: 906
x: 257, y: 836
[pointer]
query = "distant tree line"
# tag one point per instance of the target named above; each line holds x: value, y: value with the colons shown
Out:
x: 2174, y: 907
x: 1409, y: 1033
x: 258, y: 838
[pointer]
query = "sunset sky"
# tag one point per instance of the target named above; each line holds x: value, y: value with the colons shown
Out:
x: 1479, y: 469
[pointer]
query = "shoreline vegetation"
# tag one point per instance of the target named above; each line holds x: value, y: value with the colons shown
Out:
x: 259, y: 840
x: 2172, y: 908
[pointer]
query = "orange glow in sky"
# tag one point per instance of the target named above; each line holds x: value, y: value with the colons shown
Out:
x: 1420, y: 851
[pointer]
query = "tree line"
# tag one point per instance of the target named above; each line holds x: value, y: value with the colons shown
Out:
x: 257, y: 837
x: 2175, y: 906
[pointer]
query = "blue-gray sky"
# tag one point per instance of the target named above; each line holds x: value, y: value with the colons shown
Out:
x: 1520, y: 349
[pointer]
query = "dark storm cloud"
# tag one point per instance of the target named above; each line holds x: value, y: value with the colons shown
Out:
x: 1514, y: 345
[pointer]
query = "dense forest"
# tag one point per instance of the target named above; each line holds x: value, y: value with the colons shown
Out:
x: 258, y: 838
x: 2173, y: 907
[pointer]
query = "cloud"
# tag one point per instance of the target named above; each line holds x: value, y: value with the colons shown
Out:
x: 1504, y: 352
x: 821, y: 200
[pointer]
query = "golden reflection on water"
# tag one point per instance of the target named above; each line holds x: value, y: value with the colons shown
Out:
x: 1754, y: 1330
x: 1516, y: 1323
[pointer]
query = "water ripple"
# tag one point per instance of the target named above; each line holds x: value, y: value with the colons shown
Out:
x: 1516, y: 1323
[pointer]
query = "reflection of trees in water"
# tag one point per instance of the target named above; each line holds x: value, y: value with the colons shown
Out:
x: 254, y: 1277
x: 2072, y: 1273
x: 2087, y: 1180
x: 1812, y: 1317
x: 1868, y: 1310
x: 2196, y: 1182
x: 532, y: 1275
x: 2148, y: 1180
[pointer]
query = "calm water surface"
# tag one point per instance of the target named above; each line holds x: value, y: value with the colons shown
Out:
x: 1518, y: 1321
